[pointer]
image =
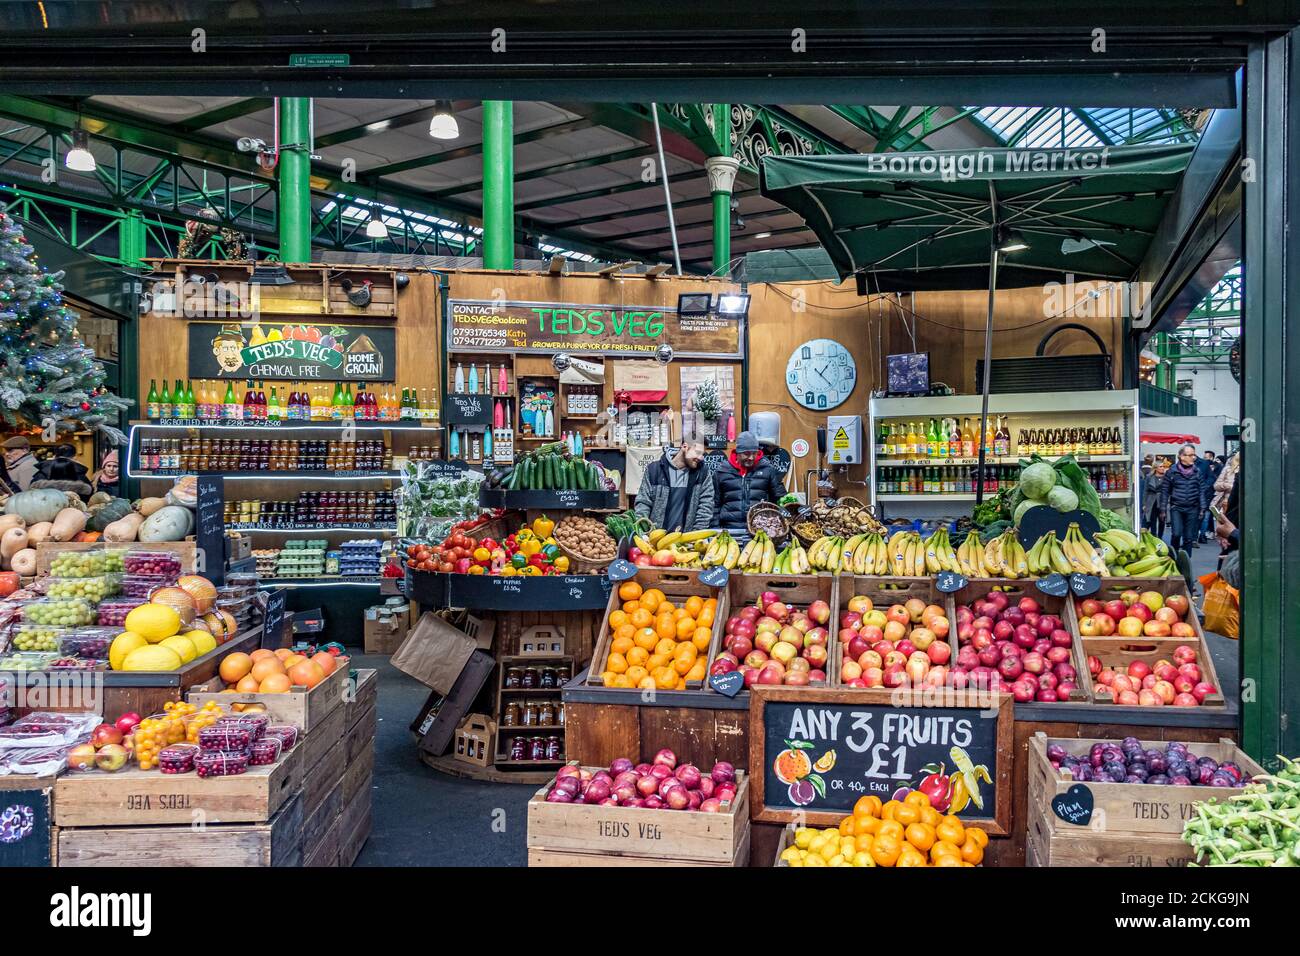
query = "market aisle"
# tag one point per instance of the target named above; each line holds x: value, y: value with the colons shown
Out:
x: 422, y: 817
x: 1225, y: 650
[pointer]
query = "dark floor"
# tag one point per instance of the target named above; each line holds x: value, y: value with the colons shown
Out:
x: 426, y: 818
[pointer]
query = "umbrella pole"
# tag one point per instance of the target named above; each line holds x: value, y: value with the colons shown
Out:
x: 988, y: 362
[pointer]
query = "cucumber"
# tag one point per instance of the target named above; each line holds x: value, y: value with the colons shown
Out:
x: 526, y: 476
x: 511, y: 479
x: 552, y: 472
x: 580, y: 473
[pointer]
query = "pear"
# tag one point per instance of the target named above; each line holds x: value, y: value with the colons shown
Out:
x: 258, y: 337
x: 274, y: 336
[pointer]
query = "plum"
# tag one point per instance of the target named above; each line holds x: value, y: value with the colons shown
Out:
x: 1056, y: 752
x: 802, y: 793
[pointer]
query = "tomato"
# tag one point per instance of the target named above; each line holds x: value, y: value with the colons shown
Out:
x: 446, y: 567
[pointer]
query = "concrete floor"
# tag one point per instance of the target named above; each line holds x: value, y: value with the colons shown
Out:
x: 425, y: 818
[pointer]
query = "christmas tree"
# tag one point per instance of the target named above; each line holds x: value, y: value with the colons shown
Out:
x: 49, y: 378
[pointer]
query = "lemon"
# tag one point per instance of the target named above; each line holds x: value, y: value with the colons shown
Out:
x: 830, y: 850
x: 814, y: 860
x: 863, y: 859
x: 796, y: 862
x: 790, y: 853
x: 836, y: 860
x: 803, y: 836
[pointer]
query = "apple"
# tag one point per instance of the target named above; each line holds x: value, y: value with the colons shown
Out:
x: 1032, y: 618
x: 81, y: 757
x: 777, y: 610
x: 819, y: 611
x: 1061, y: 638
x: 740, y: 646
x: 871, y: 659
x: 1202, y: 691
x: 1088, y: 626
x: 663, y: 559
x: 922, y: 638
x: 1183, y: 685
x: 1141, y: 612
x: 1128, y: 698
x: 1165, y: 671
x: 883, y: 647
x: 1033, y: 663
x: 859, y: 604
x: 895, y: 659
x: 756, y: 659
x: 817, y: 675
x: 1128, y: 627
x: 772, y: 673
x: 915, y: 608
x: 899, y: 613
x: 967, y: 657
x: 1058, y: 655
x: 1155, y: 629
x: 875, y: 618
x: 642, y: 561
x: 722, y: 667
x: 1168, y: 615
x: 750, y: 674
x: 1023, y: 692
x: 128, y: 721
x: 850, y: 670
x: 1165, y: 690
x: 1191, y: 671
x: 1186, y: 700
x: 767, y: 625
x: 856, y: 682
x: 106, y: 734
x: 894, y: 676
x: 958, y: 679
x: 815, y: 654
x: 1025, y: 636
x: 1149, y: 698
x: 1010, y: 667
x: 818, y: 635
x: 982, y: 638
x: 894, y: 631
x: 1094, y: 665
x: 111, y: 757
x: 873, y: 677
x: 938, y: 652
x: 1178, y: 603
x: 765, y: 641
x: 1115, y: 609
x: 917, y: 669
x: 1014, y: 615
x: 857, y: 647
x: 905, y: 647
x: 989, y: 657
x: 745, y: 628
x: 1182, y: 630
x: 1089, y: 606
x: 1149, y: 682
x: 1184, y: 654
x: 792, y: 635
x: 1003, y: 630
x: 1139, y: 669
x: 872, y: 634
x: 1120, y: 683
x: 801, y: 623
x: 1105, y: 624
x: 940, y: 626
x: 798, y: 678
x: 1152, y: 599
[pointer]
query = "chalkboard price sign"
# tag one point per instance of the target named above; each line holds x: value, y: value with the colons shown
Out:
x: 1084, y: 584
x: 621, y: 570
x: 949, y: 582
x: 715, y: 577
x: 467, y: 410
x: 815, y: 752
x: 1054, y: 584
x: 210, y: 529
x: 273, y: 618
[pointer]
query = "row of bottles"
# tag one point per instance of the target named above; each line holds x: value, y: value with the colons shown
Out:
x: 944, y: 438
x: 489, y: 383
x: 964, y: 479
x: 243, y: 454
x: 301, y: 402
x: 1108, y: 478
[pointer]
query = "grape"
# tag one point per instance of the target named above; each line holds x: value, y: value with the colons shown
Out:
x: 34, y: 637
x: 93, y: 589
x: 61, y: 612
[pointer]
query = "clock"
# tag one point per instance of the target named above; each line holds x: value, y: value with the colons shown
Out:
x: 820, y: 374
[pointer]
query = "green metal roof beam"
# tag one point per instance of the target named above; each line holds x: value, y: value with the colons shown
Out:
x: 542, y: 172
x: 606, y: 191
x: 415, y: 117
x: 224, y: 114
x: 474, y: 149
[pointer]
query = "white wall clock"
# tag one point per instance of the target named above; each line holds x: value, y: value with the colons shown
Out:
x: 820, y: 374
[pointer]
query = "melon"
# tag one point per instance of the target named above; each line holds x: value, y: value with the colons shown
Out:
x: 123, y: 645
x: 203, y: 641
x: 182, y: 645
x: 199, y: 588
x: 153, y: 622
x: 153, y: 657
x: 178, y: 599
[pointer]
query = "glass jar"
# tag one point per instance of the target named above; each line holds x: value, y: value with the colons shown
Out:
x: 553, y: 751
x: 519, y: 748
x: 537, y: 749
x: 515, y: 678
x: 512, y: 715
x: 530, y: 714
x: 559, y: 714
x: 548, y: 678
x: 530, y: 679
x: 546, y: 714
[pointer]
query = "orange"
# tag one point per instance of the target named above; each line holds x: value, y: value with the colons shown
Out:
x: 704, y: 618
x: 685, y: 652
x: 607, y: 678
x: 944, y: 848
x: 711, y: 604
x: 620, y: 680
x: 971, y: 851
x: 642, y: 618
x: 868, y: 806
x: 887, y: 809
x: 930, y: 816
x: 636, y: 673
x: 235, y: 666
x: 867, y: 825
x: 702, y: 638
x: 616, y: 663
x: 275, y: 684
x: 697, y: 670
x: 885, y: 850
x: 890, y: 828
x: 847, y: 827
x: 907, y: 815
x: 862, y: 841
x: 647, y: 638
x: 651, y: 599
x: 636, y: 656
x: 621, y: 645
x: 666, y: 607
x: 694, y: 604
x: 951, y: 830
x: 266, y: 667
x: 678, y: 614
x: 657, y: 661
x: 682, y: 666
x: 665, y: 678
x: 685, y: 628
x: 646, y: 683
x: 618, y: 619
x: 665, y: 628
x: 666, y: 646
x: 261, y: 652
x: 629, y: 591
x: 948, y: 860
x: 917, y: 799
x: 630, y: 606
x: 910, y: 856
x: 625, y: 630
x: 978, y: 835
x: 921, y: 836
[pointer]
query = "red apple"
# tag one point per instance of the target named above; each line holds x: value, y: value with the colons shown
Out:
x: 756, y: 659
x: 127, y: 722
x: 872, y: 634
x: 1149, y: 698
x: 1105, y: 624
x: 818, y: 635
x: 899, y: 613
x: 1141, y: 612
x: 1094, y: 665
x: 905, y: 647
x: 871, y: 659
x: 1155, y: 629
x: 740, y: 646
x: 81, y: 757
x: 1202, y: 691
x: 815, y: 654
x: 981, y: 639
x: 1116, y: 609
x: 772, y: 673
x: 1182, y: 630
x: 1168, y: 615
x: 1186, y: 700
x: 1184, y: 654
x: 1178, y: 604
x: 1128, y: 698
x: 939, y: 652
x: 1191, y: 671
x: 1139, y: 669
x: 1165, y: 690
x: 765, y: 641
x: 1090, y: 606
x: 849, y: 670
x: 819, y: 611
x: 857, y: 647
x: 106, y: 734
x: 873, y: 677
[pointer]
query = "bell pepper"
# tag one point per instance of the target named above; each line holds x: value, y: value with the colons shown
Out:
x: 482, y: 554
x: 561, y: 564
x: 509, y: 571
x: 538, y: 560
x: 523, y: 534
x: 529, y: 571
x: 551, y: 551
x: 530, y: 547
x: 518, y: 559
x: 477, y: 569
x: 543, y: 526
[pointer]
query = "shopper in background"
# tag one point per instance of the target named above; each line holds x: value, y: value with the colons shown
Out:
x: 20, y: 462
x: 1226, y: 481
x: 1210, y: 467
x: 677, y: 492
x: 1184, y: 496
x: 106, y: 479
x: 62, y: 472
x: 1153, y: 475
x: 744, y: 481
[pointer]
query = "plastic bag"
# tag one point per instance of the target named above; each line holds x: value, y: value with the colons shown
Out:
x: 1222, y: 606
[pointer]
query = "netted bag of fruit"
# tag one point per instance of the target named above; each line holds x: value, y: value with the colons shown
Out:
x: 177, y: 599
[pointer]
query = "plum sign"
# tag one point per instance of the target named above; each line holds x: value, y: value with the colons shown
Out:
x: 815, y: 752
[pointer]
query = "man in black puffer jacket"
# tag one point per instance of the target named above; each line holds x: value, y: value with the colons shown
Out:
x: 744, y: 481
x: 1184, y: 496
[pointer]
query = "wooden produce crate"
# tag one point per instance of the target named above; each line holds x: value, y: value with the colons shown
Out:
x: 324, y: 757
x: 885, y: 592
x: 1062, y: 607
x: 1118, y: 652
x: 566, y: 834
x: 677, y: 586
x: 1086, y: 847
x: 133, y: 797
x: 277, y: 842
x: 499, y: 755
x: 320, y: 838
x: 354, y: 825
x: 787, y: 838
x: 301, y: 707
x: 794, y: 589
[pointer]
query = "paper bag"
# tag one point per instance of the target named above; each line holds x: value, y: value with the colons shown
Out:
x: 645, y: 381
x: 434, y: 653
x: 638, y: 460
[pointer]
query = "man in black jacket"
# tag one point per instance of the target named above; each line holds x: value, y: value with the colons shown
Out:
x: 744, y: 481
x: 677, y: 492
x: 1184, y: 496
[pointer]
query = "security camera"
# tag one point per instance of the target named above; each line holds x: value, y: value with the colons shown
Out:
x: 250, y: 144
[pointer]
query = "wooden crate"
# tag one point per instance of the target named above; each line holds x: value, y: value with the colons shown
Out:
x: 316, y: 743
x: 1140, y: 808
x: 566, y: 858
x: 787, y: 838
x: 277, y: 842
x: 301, y: 707
x: 318, y: 824
x: 1062, y: 607
x: 354, y: 826
x: 885, y: 592
x: 318, y: 781
x: 360, y: 735
x: 364, y: 690
x: 1102, y: 847
x: 650, y: 837
x: 794, y: 589
x: 677, y: 586
x: 134, y: 797
x: 359, y: 773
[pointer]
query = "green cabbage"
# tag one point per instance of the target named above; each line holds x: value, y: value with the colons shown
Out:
x: 1062, y: 498
x: 1023, y: 507
x: 1037, y: 480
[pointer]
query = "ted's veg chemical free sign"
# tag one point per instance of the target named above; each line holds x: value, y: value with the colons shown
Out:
x: 297, y: 352
x: 480, y: 325
x: 814, y: 753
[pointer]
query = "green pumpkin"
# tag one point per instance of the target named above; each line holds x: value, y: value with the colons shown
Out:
x: 108, y: 513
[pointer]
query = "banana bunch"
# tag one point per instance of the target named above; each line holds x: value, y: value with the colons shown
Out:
x: 722, y: 550
x: 970, y: 557
x: 907, y: 554
x: 1005, y: 557
x: 939, y: 553
x: 1140, y: 556
x: 868, y: 554
x: 1047, y: 557
x: 758, y: 556
x: 1083, y: 558
x: 792, y: 559
x: 827, y: 553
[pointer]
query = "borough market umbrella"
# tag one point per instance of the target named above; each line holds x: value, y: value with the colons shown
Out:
x: 956, y: 219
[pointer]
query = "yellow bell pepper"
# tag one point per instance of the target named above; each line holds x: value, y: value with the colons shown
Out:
x: 523, y: 534
x: 530, y: 571
x: 561, y: 564
x: 543, y: 526
x: 530, y: 547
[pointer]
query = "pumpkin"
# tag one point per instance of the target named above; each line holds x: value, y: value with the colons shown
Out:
x: 107, y: 513
x: 171, y: 523
x: 39, y: 532
x: 11, y: 521
x: 42, y: 504
x: 125, y: 528
x: 24, y: 562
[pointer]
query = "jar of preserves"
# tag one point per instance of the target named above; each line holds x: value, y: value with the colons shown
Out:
x: 531, y: 678
x: 553, y: 751
x: 548, y: 678
x: 537, y: 749
x: 511, y: 715
x: 519, y: 748
x: 546, y: 714
x: 530, y: 714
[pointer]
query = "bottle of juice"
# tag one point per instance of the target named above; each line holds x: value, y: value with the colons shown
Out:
x: 153, y: 403
x: 165, y: 408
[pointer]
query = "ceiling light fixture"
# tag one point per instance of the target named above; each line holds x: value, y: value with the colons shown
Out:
x: 79, y: 158
x: 443, y: 125
x: 1011, y: 241
x: 375, y: 227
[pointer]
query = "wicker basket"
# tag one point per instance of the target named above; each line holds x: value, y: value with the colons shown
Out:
x: 767, y: 507
x: 583, y: 565
x: 805, y: 514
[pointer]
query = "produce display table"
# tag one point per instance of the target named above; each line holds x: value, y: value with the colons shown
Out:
x: 488, y: 592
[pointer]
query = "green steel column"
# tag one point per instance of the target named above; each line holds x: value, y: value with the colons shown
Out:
x: 295, y: 179
x: 498, y: 184
x: 131, y: 238
x: 722, y: 176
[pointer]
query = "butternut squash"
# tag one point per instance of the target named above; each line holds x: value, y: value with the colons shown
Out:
x: 68, y: 523
x: 125, y: 528
x: 11, y: 542
x: 39, y: 532
x: 11, y: 521
x: 147, y: 506
x: 24, y: 562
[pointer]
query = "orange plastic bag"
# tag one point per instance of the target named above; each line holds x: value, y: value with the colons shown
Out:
x: 1222, y: 606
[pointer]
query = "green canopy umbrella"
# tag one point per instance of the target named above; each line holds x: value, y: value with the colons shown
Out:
x: 958, y: 219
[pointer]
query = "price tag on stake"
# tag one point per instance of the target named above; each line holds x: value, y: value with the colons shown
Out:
x: 949, y: 582
x: 1084, y: 584
x: 621, y: 570
x: 715, y: 577
x: 1054, y: 584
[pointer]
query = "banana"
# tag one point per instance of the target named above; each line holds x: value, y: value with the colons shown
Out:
x: 897, y: 555
x: 656, y: 534
x: 993, y: 557
x: 668, y: 540
x: 931, y: 558
x: 1154, y: 545
x: 749, y: 549
x: 690, y: 537
x: 733, y: 554
x: 1146, y: 566
x: 769, y: 555
x: 918, y: 557
x: 643, y: 543
x: 1060, y: 563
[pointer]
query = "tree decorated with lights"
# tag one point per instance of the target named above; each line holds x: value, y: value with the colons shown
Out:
x: 49, y: 378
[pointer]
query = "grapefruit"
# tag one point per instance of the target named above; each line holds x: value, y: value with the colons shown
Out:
x: 235, y: 666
